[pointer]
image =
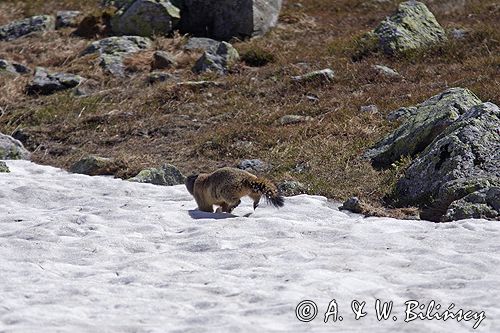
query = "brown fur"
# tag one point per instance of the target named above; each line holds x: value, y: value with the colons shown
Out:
x: 226, y: 186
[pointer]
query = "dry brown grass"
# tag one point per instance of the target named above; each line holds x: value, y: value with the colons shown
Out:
x: 201, y: 129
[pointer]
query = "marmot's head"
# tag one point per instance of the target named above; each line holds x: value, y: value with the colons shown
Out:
x: 190, y: 183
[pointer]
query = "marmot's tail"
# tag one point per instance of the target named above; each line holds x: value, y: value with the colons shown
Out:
x: 267, y: 189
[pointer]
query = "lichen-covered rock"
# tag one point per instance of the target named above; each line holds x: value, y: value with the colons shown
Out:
x: 225, y: 19
x: 167, y: 175
x: 146, y: 18
x: 95, y: 165
x: 219, y: 62
x: 3, y: 167
x: 412, y: 27
x: 324, y: 75
x: 372, y: 108
x: 202, y: 43
x: 353, y: 204
x: 113, y: 50
x: 13, y: 67
x: 417, y: 131
x: 67, y: 18
x: 386, y: 72
x: 462, y: 160
x: 46, y: 83
x: 291, y: 187
x: 255, y: 165
x: 26, y: 26
x: 480, y: 204
x: 162, y: 60
x: 12, y: 149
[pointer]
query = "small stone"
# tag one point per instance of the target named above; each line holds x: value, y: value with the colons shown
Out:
x: 369, y: 108
x: 67, y: 18
x: 324, y: 75
x: 95, y: 165
x: 156, y: 77
x: 12, y: 149
x: 167, y: 175
x: 3, y: 167
x: 46, y: 83
x: 26, y: 26
x: 13, y: 67
x: 386, y: 71
x: 293, y: 119
x: 163, y: 60
x: 202, y: 43
x: 253, y: 165
x: 352, y: 204
x: 459, y: 33
x: 289, y: 188
x: 219, y: 62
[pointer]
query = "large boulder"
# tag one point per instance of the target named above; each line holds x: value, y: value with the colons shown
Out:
x: 113, y: 50
x: 12, y: 149
x: 146, y: 18
x: 46, y: 83
x: 459, y: 169
x: 167, y: 175
x: 219, y: 62
x: 412, y: 27
x: 26, y: 26
x: 421, y: 125
x: 225, y: 19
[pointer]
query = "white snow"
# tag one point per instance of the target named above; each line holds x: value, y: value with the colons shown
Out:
x: 96, y: 254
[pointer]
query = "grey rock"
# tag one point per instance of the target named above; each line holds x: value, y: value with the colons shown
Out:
x: 156, y: 77
x: 67, y: 18
x: 95, y: 165
x: 26, y: 26
x: 324, y: 75
x: 146, y: 18
x: 12, y: 149
x: 289, y: 188
x: 3, y: 167
x: 369, y: 108
x: 202, y: 43
x: 412, y: 27
x: 463, y: 159
x: 253, y: 165
x: 402, y: 113
x: 458, y: 33
x: 352, y: 204
x: 293, y: 119
x: 162, y: 60
x: 386, y: 71
x: 46, y: 83
x: 219, y: 62
x: 226, y: 19
x: 113, y: 50
x: 480, y: 204
x: 13, y: 67
x: 417, y: 131
x: 167, y: 175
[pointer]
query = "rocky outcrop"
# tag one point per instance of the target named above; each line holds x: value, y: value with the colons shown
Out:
x: 113, y: 50
x: 146, y: 18
x: 26, y: 26
x: 167, y: 175
x: 95, y: 165
x: 324, y: 75
x: 458, y: 174
x: 219, y: 62
x: 421, y: 125
x: 46, y: 83
x: 3, y: 167
x: 225, y: 19
x: 68, y: 18
x: 12, y: 149
x: 412, y: 27
x: 13, y: 67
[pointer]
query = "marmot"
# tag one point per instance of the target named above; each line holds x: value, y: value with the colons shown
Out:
x: 224, y: 187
